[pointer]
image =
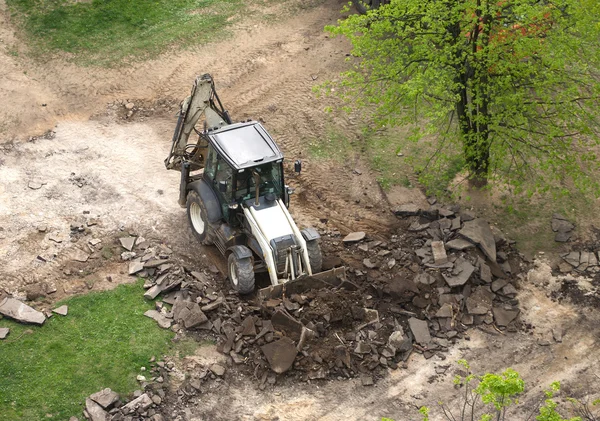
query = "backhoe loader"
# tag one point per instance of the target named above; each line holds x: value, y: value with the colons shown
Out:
x: 232, y: 185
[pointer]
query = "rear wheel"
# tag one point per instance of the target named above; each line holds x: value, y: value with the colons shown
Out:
x: 241, y: 274
x: 315, y: 257
x: 198, y: 218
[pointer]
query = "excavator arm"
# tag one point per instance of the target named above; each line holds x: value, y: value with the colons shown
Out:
x: 202, y: 100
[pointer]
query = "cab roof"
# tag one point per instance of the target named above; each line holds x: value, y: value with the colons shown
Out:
x: 245, y: 145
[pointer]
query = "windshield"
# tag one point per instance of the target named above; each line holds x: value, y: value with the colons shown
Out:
x: 270, y: 181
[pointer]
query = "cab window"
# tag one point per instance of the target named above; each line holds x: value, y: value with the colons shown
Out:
x: 211, y: 164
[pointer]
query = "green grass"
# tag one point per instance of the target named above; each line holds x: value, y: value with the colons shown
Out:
x: 107, y: 31
x: 102, y: 342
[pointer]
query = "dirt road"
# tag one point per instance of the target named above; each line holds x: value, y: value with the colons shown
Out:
x: 70, y: 157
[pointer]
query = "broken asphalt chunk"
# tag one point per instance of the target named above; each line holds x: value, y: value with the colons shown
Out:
x: 480, y: 301
x: 420, y: 330
x: 459, y: 244
x: 105, y: 398
x: 439, y: 252
x: 160, y: 318
x: 135, y: 267
x: 95, y: 411
x: 21, y: 312
x: 354, y: 237
x: 478, y: 232
x: 409, y: 209
x: 128, y: 242
x: 139, y: 404
x: 504, y: 316
x: 62, y: 310
x: 461, y: 273
x: 280, y: 354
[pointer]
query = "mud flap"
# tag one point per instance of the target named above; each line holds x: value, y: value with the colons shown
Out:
x: 334, y: 278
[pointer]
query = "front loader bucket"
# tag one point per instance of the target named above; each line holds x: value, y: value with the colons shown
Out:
x: 334, y: 278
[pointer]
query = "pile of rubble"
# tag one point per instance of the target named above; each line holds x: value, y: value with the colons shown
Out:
x: 456, y: 275
x: 106, y: 405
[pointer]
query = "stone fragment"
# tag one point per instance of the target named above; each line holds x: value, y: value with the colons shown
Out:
x: 557, y: 334
x: 461, y: 273
x: 366, y: 380
x: 369, y: 264
x: 478, y: 232
x: 424, y: 278
x: 62, y: 310
x: 153, y: 292
x: 105, y: 398
x: 593, y: 260
x: 498, y: 284
x: 467, y: 215
x: 400, y: 341
x: 35, y: 185
x: 416, y: 227
x: 439, y: 252
x: 191, y: 315
x: 409, y: 209
x: 562, y: 225
x: 362, y: 348
x: 4, y: 331
x: 401, y: 288
x: 354, y: 237
x: 563, y: 237
x: 504, y: 316
x: 455, y: 224
x: 95, y: 411
x: 15, y: 309
x: 162, y: 320
x: 420, y: 330
x: 480, y: 301
x: 128, y: 242
x: 280, y: 354
x: 444, y: 311
x: 135, y: 267
x: 79, y: 255
x: 509, y: 290
x: 248, y: 327
x: 485, y: 273
x: 572, y: 258
x: 459, y: 244
x: 213, y: 305
x: 217, y: 370
x: 139, y: 404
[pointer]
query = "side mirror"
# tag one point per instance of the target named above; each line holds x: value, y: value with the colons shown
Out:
x: 223, y: 186
x: 298, y: 166
x: 286, y: 195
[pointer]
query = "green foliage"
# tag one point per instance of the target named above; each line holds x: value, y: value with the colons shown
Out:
x: 107, y: 31
x: 497, y: 389
x: 102, y: 342
x: 511, y: 86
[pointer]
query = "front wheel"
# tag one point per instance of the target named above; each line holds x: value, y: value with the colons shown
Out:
x: 241, y: 274
x: 198, y: 218
x: 315, y: 257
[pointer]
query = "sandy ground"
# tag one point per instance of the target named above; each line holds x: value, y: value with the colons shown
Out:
x: 87, y: 164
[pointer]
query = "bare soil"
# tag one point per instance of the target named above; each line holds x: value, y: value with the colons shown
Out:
x: 75, y: 167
